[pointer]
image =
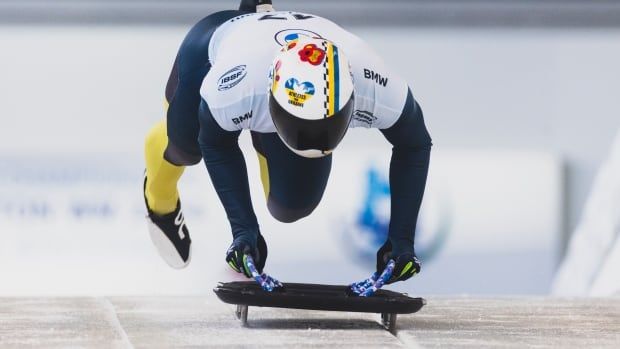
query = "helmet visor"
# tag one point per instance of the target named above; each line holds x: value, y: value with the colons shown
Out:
x: 302, y: 134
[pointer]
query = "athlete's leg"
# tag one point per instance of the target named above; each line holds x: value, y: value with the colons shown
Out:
x: 173, y: 144
x: 162, y: 176
x: 293, y: 185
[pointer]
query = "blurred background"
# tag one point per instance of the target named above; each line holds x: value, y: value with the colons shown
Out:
x: 522, y: 100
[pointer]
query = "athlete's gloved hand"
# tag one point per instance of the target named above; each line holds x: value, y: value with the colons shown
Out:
x: 248, y: 257
x: 247, y: 245
x: 393, y: 264
x: 406, y: 262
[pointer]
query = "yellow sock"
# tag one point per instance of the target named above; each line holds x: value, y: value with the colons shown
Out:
x: 162, y: 176
x: 264, y: 173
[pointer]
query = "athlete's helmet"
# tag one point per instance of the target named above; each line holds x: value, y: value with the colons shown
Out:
x: 311, y: 95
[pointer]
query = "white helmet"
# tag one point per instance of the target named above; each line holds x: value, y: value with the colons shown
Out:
x: 311, y: 96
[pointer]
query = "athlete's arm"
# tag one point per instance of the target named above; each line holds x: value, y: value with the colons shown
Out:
x: 228, y: 172
x: 408, y: 171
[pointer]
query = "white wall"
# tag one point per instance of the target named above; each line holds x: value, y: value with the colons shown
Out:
x: 554, y: 90
x: 89, y: 94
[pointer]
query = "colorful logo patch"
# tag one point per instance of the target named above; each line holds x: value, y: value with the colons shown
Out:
x: 275, y: 76
x: 289, y: 36
x: 291, y: 40
x: 298, y: 93
x: 312, y: 54
x: 231, y: 78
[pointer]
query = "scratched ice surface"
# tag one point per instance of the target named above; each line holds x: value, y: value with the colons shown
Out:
x: 145, y: 322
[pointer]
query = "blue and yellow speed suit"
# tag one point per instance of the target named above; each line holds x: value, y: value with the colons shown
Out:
x: 293, y: 185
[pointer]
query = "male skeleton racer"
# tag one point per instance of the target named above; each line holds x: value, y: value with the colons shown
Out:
x: 297, y: 82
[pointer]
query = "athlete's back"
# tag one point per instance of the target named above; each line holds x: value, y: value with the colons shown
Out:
x: 241, y: 53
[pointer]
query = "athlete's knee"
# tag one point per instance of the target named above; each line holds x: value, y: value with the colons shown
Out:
x: 286, y: 214
x: 177, y: 156
x: 157, y: 141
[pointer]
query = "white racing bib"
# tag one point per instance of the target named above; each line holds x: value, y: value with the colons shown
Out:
x: 242, y: 50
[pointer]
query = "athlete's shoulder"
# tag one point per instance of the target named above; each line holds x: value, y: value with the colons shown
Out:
x: 195, y: 46
x: 380, y: 90
x: 235, y: 89
x: 199, y: 36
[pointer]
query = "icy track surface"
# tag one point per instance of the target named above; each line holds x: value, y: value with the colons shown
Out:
x: 147, y: 322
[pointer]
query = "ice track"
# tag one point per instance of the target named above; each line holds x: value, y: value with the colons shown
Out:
x: 146, y: 322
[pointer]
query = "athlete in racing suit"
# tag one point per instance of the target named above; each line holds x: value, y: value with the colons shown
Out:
x: 217, y: 89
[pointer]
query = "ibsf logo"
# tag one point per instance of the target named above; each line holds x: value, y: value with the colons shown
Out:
x: 231, y: 78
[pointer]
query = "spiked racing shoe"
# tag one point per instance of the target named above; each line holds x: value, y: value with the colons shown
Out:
x: 170, y: 235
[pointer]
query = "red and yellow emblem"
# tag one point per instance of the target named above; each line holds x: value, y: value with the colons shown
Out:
x: 312, y: 54
x: 275, y: 78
